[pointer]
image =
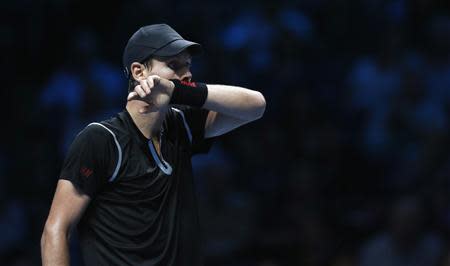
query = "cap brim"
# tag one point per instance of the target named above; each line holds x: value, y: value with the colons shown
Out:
x: 179, y: 46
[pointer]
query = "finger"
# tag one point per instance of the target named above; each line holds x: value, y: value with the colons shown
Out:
x: 132, y: 95
x: 145, y: 87
x: 156, y: 80
x: 140, y: 90
x: 150, y: 82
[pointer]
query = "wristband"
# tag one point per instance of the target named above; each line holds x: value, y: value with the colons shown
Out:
x: 189, y: 93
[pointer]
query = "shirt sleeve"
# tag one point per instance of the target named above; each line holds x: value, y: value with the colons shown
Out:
x: 90, y: 160
x: 193, y: 121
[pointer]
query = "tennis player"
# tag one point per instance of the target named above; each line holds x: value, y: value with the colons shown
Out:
x: 127, y: 183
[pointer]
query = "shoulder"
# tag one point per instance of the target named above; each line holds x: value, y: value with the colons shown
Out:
x: 95, y: 135
x: 94, y: 131
x: 179, y: 115
x: 178, y: 109
x: 187, y: 113
x: 109, y: 128
x: 175, y: 115
x: 175, y: 111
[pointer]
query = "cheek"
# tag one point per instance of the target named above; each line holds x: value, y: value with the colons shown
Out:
x: 165, y: 72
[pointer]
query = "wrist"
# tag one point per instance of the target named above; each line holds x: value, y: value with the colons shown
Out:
x: 170, y: 87
x: 189, y: 93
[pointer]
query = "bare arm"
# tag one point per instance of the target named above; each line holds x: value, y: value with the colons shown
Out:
x: 231, y: 107
x: 67, y: 207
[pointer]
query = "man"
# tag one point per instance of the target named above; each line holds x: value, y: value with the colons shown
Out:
x: 127, y: 182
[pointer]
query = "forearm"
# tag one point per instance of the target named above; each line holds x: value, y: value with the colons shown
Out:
x: 55, y: 249
x: 232, y: 101
x: 235, y: 102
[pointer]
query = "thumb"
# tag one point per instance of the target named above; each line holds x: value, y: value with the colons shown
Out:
x: 132, y: 95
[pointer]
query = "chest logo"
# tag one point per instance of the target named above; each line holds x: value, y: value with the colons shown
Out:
x: 86, y: 172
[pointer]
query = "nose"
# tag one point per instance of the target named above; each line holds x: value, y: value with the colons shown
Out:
x: 187, y: 76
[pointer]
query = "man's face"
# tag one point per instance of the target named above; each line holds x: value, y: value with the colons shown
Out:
x: 174, y: 67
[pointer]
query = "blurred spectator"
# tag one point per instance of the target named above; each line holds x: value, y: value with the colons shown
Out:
x: 85, y: 88
x: 375, y: 81
x: 407, y: 241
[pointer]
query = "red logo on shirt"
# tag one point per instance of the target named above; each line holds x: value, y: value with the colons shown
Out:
x: 86, y: 172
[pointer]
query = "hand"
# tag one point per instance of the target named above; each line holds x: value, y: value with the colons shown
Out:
x: 154, y: 90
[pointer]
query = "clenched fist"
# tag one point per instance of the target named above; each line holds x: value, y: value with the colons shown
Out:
x: 154, y: 90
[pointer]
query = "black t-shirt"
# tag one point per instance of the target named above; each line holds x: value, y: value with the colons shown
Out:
x: 143, y: 209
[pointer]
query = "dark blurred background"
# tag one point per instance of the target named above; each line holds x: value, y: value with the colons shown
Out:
x: 349, y: 166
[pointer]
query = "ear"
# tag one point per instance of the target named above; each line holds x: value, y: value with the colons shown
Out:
x: 138, y: 71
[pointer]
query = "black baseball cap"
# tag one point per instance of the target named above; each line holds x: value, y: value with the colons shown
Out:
x: 156, y: 39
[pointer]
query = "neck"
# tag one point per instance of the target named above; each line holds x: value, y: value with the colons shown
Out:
x: 148, y: 122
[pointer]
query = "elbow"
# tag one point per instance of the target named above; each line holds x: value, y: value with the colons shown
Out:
x: 260, y: 105
x: 53, y: 233
x: 45, y: 237
x: 48, y: 233
x: 43, y: 242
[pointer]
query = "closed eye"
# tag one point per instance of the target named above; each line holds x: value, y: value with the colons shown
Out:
x: 176, y: 66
